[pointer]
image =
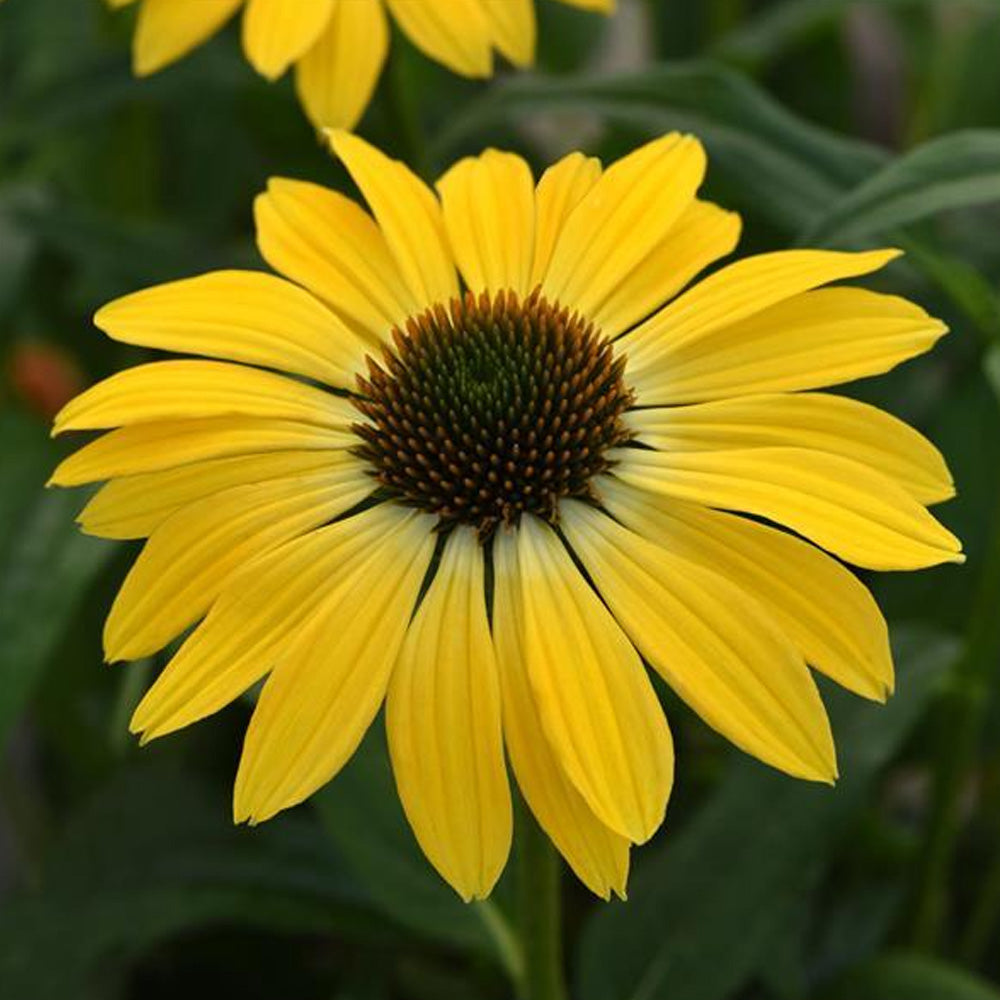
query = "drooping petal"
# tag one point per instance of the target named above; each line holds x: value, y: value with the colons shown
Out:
x: 261, y: 611
x: 192, y: 390
x: 329, y: 683
x: 166, y: 30
x: 443, y: 723
x: 732, y: 295
x: 597, y: 855
x: 336, y: 78
x: 603, y: 6
x: 817, y: 421
x: 188, y: 560
x: 169, y: 444
x: 489, y: 212
x: 702, y: 235
x: 847, y: 508
x: 620, y: 221
x: 818, y: 603
x: 561, y: 188
x: 135, y: 506
x: 597, y: 706
x: 244, y: 316
x: 455, y: 33
x: 330, y: 245
x: 277, y: 32
x: 712, y: 642
x: 814, y: 339
x: 513, y: 28
x: 410, y: 217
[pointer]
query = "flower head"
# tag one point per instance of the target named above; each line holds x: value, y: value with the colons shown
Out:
x: 481, y: 452
x: 338, y: 47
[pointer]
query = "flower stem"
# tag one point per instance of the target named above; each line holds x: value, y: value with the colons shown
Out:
x: 964, y: 717
x: 540, y: 914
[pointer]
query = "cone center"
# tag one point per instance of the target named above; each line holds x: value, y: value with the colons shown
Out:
x: 490, y: 408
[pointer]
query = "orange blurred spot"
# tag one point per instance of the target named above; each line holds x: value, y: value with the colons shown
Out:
x: 43, y: 376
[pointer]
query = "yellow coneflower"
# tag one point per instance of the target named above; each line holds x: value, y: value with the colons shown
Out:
x: 338, y: 47
x: 496, y: 473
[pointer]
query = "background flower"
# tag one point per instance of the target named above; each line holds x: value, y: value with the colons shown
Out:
x: 338, y: 47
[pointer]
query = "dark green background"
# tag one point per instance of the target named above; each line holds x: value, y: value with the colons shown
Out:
x: 828, y: 123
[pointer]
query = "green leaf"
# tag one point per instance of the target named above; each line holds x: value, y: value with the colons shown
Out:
x: 17, y: 247
x: 361, y: 812
x: 991, y: 365
x: 914, y: 977
x: 46, y: 565
x: 704, y: 907
x: 777, y: 164
x: 961, y: 170
x: 155, y: 855
x: 779, y: 27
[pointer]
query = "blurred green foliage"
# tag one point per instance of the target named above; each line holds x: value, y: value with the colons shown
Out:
x: 828, y: 121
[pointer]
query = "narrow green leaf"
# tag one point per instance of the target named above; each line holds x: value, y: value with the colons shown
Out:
x: 960, y: 170
x: 360, y: 809
x: 703, y: 908
x: 46, y: 565
x: 914, y: 977
x: 991, y: 365
x: 779, y: 27
x: 779, y: 165
x: 156, y: 855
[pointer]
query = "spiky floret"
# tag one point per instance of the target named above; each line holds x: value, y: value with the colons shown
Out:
x: 492, y: 407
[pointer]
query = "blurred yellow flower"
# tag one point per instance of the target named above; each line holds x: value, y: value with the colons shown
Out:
x: 544, y: 397
x: 338, y: 47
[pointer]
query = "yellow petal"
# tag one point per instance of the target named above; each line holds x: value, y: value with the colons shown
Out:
x: 260, y: 612
x: 512, y: 25
x: 172, y: 443
x: 277, y: 32
x: 597, y: 855
x: 329, y: 683
x: 189, y: 390
x: 562, y: 187
x: 702, y: 235
x: 455, y: 33
x: 330, y: 245
x: 409, y: 215
x: 815, y: 339
x: 190, y: 557
x: 817, y: 421
x: 847, y: 508
x: 244, y: 316
x: 489, y: 212
x: 820, y: 605
x: 134, y: 507
x: 166, y: 30
x: 731, y: 295
x: 336, y: 78
x: 597, y: 705
x: 713, y: 643
x: 621, y: 220
x: 443, y: 723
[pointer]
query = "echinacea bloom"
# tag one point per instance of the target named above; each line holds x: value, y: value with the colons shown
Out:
x: 338, y: 47
x: 477, y: 455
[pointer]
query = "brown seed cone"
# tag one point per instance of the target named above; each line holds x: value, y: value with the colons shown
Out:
x: 492, y: 408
